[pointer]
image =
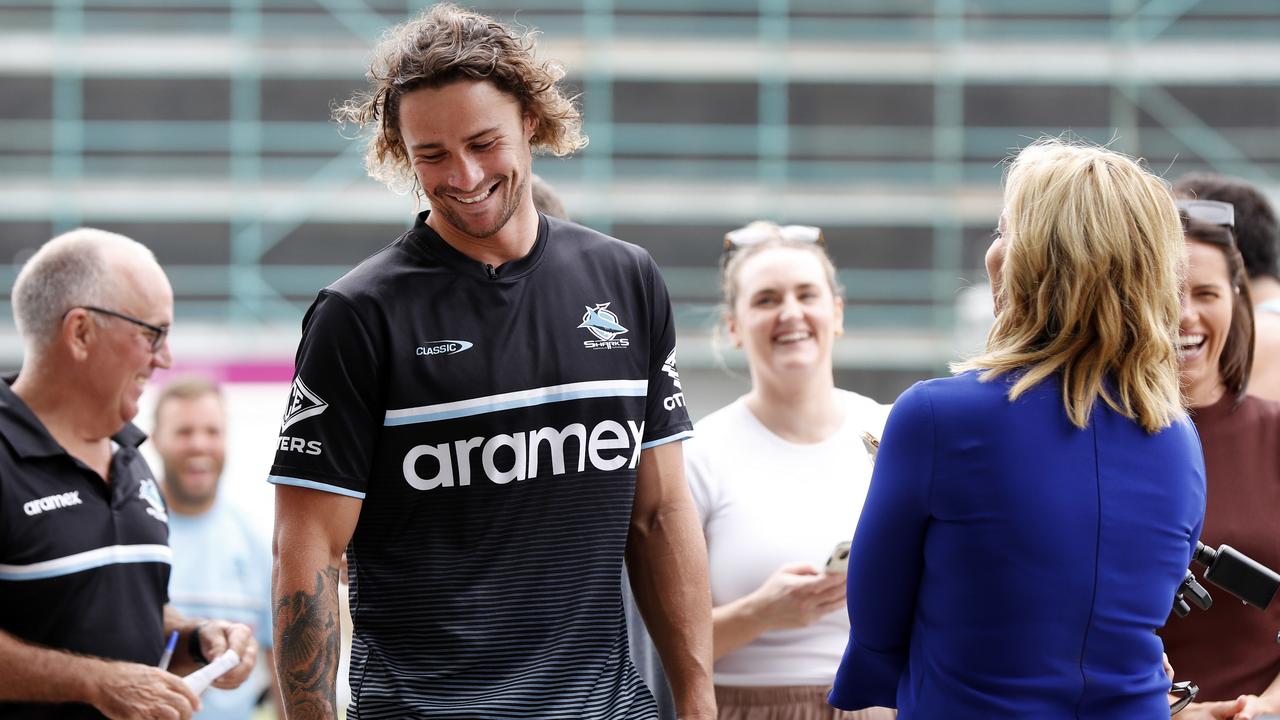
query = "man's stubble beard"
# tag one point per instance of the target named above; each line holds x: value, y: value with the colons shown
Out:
x: 508, y: 211
x: 175, y: 489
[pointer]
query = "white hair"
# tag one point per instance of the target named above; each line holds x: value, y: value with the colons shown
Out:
x: 71, y: 270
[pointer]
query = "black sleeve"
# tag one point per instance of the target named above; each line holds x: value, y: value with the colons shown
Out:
x: 335, y: 412
x: 666, y: 418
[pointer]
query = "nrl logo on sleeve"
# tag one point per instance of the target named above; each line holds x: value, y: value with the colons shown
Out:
x: 303, y: 403
x: 603, y: 323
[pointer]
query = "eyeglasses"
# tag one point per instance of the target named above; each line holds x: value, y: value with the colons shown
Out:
x: 1185, y: 691
x: 757, y: 233
x: 158, y: 332
x: 1213, y: 212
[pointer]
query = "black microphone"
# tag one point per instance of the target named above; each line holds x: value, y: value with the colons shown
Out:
x: 1249, y: 580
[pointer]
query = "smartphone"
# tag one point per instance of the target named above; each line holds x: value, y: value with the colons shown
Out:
x: 839, y: 560
x: 872, y: 444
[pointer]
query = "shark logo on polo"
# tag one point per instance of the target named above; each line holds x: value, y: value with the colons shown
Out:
x: 150, y: 492
x: 603, y: 323
x: 607, y: 446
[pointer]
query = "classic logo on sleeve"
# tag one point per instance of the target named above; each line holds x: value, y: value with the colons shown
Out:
x: 669, y: 367
x: 603, y: 323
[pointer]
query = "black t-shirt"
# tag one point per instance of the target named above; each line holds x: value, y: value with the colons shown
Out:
x: 84, y: 565
x: 491, y: 421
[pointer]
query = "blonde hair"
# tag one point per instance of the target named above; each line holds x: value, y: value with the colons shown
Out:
x: 1089, y: 286
x: 443, y: 45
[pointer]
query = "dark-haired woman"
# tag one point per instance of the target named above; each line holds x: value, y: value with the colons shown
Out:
x: 1229, y: 651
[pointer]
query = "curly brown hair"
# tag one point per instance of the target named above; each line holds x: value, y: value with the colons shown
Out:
x: 443, y: 45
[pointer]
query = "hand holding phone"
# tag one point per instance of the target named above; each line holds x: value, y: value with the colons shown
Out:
x: 838, y: 562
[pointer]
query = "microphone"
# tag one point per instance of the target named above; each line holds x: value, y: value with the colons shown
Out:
x: 1249, y: 580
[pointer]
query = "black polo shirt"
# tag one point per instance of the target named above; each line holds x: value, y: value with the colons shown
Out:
x: 84, y: 565
x: 491, y: 421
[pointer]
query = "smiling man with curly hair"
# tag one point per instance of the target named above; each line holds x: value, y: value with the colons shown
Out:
x: 482, y: 417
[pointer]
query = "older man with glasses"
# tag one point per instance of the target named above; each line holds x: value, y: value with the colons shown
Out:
x: 84, y: 559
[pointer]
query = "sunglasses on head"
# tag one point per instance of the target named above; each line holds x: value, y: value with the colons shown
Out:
x: 755, y: 234
x: 1213, y: 212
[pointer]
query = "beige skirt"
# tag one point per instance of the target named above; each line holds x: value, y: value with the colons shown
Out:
x: 792, y: 702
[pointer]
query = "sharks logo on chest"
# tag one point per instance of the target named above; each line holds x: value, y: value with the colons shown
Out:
x: 603, y: 323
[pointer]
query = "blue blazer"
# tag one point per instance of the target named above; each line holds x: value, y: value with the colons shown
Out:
x: 1009, y: 564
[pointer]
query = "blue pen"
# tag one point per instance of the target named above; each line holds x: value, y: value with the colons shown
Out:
x: 167, y: 655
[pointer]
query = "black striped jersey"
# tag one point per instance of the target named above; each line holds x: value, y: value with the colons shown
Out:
x: 491, y: 421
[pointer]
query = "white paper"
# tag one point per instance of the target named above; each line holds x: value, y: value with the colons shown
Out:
x: 200, y: 680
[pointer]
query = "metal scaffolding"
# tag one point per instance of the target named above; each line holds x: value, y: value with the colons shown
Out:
x: 266, y: 179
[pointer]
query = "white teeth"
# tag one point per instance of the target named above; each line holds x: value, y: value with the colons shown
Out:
x: 475, y: 198
x: 794, y: 336
x: 1188, y: 344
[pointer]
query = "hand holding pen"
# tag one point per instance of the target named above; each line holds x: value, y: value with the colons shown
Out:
x: 129, y: 691
x: 167, y: 655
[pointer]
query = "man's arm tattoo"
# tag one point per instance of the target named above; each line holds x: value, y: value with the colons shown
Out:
x: 307, y: 649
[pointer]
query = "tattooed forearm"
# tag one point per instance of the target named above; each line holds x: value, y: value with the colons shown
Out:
x: 306, y: 651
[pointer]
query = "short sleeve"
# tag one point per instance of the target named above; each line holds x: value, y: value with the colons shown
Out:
x: 872, y: 415
x: 700, y: 476
x: 880, y: 414
x: 666, y: 418
x: 331, y: 423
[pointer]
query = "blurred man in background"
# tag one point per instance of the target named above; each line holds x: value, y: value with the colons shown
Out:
x: 84, y: 564
x: 221, y: 564
x: 1257, y: 234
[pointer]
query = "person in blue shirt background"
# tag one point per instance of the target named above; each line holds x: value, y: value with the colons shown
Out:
x: 1030, y: 519
x: 221, y: 563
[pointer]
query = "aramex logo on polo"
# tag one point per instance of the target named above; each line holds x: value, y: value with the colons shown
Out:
x: 52, y: 502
